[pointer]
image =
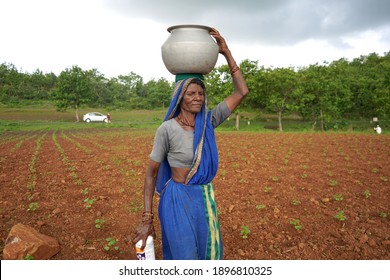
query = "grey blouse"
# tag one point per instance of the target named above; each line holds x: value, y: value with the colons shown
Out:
x: 176, y: 144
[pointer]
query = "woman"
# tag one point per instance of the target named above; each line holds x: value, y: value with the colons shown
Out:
x: 183, y: 162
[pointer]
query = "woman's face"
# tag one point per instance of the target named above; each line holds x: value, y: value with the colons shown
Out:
x: 193, y: 99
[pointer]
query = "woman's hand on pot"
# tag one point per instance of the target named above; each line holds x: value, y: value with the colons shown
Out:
x: 223, y: 48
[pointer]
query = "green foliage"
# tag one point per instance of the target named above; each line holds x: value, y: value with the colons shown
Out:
x: 296, y: 224
x: 28, y: 257
x: 33, y: 206
x: 367, y: 193
x: 340, y: 216
x: 324, y: 94
x: 338, y: 197
x: 295, y: 202
x: 244, y: 232
x: 99, y: 223
x: 110, y: 244
x: 72, y: 88
x: 333, y: 182
x: 89, y: 202
x: 260, y: 206
x: 383, y: 215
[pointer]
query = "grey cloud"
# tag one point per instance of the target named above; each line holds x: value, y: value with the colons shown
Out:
x: 277, y: 22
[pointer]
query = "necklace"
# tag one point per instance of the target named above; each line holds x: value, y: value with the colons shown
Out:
x: 185, y: 123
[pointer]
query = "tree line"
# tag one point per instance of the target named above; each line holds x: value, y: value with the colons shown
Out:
x: 322, y: 93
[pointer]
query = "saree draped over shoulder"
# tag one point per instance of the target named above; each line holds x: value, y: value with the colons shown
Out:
x: 187, y: 212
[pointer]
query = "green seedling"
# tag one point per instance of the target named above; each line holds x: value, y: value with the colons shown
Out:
x: 383, y: 215
x: 28, y: 257
x: 110, y: 244
x: 33, y: 206
x: 295, y: 202
x: 332, y: 182
x: 260, y: 206
x: 275, y: 178
x: 84, y: 191
x: 99, y: 223
x: 340, y: 216
x: 89, y: 202
x: 245, y: 232
x: 296, y: 223
x: 267, y: 189
x: 366, y: 194
x: 338, y: 197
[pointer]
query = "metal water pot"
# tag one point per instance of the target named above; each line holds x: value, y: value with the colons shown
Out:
x: 189, y: 49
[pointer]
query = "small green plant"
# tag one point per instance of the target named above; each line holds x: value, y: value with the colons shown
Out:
x: 110, y: 244
x: 99, y: 223
x: 295, y: 202
x: 340, y: 216
x: 333, y: 182
x: 223, y: 173
x: 366, y: 193
x: 135, y: 206
x: 30, y: 186
x: 267, y: 189
x: 375, y: 170
x: 33, y: 206
x: 260, y: 206
x: 304, y: 176
x: 338, y: 197
x: 28, y: 257
x: 243, y: 180
x: 89, y: 202
x: 275, y: 178
x: 296, y: 223
x: 84, y: 191
x: 384, y: 178
x: 245, y: 232
x: 383, y: 215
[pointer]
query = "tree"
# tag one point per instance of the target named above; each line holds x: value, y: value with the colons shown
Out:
x: 10, y: 83
x: 281, y: 90
x: 326, y: 92
x: 219, y: 84
x: 159, y: 93
x: 381, y: 98
x: 73, y: 89
x: 100, y: 92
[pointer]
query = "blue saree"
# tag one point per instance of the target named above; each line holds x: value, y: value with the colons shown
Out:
x: 187, y: 212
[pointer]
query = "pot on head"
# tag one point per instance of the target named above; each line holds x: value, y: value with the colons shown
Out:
x: 189, y: 49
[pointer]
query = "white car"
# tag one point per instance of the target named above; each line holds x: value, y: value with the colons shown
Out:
x: 94, y: 117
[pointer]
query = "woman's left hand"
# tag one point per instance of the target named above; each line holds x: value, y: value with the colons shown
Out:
x: 223, y: 48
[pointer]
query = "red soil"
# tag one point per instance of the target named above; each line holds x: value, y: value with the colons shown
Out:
x: 265, y: 180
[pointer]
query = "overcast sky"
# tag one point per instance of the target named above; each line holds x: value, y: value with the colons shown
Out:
x: 122, y: 36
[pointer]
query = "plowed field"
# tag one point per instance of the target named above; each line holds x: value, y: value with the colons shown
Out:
x: 280, y: 195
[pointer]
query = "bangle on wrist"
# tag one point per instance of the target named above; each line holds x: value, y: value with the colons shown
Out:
x: 147, y: 216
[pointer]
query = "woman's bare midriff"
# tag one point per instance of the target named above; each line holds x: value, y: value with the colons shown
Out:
x: 179, y: 174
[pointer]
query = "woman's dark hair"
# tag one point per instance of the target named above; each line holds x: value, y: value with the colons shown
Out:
x: 198, y: 82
